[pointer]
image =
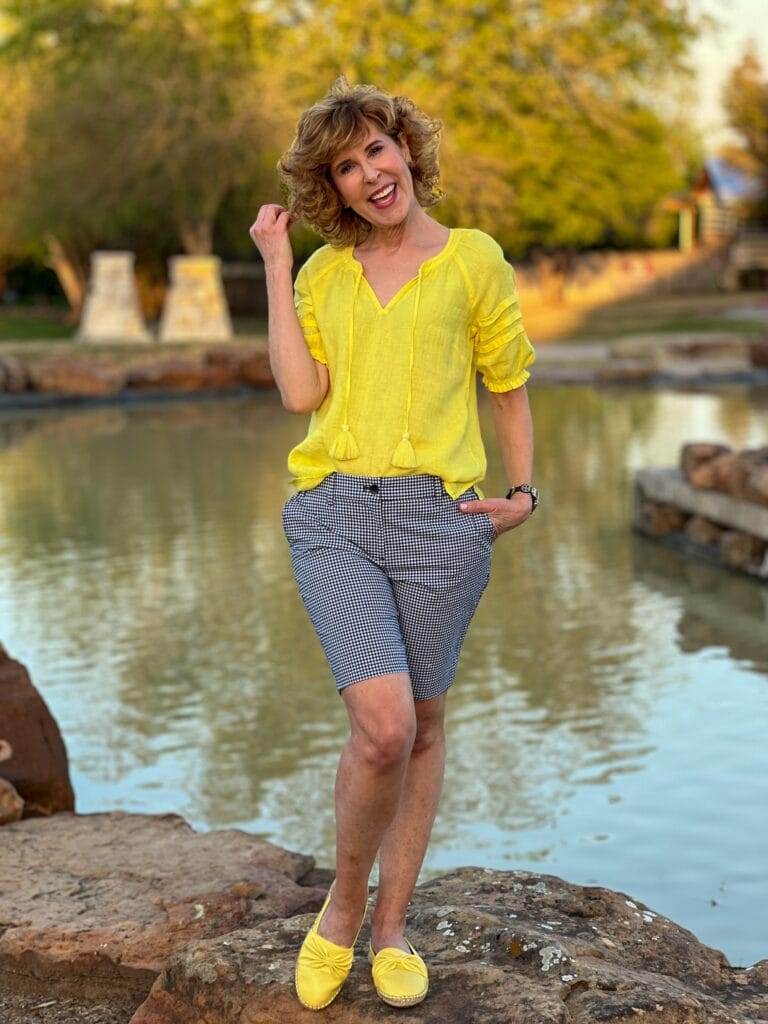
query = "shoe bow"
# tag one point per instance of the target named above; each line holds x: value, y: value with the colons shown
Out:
x: 398, y: 960
x: 319, y: 952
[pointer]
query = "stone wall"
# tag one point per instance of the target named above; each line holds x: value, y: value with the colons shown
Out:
x: 714, y: 507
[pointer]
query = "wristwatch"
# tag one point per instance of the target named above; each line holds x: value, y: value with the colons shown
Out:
x: 529, y: 489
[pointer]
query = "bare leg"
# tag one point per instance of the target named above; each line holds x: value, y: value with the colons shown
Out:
x: 405, y: 841
x: 368, y: 785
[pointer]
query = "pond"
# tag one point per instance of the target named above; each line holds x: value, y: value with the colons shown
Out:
x: 608, y: 719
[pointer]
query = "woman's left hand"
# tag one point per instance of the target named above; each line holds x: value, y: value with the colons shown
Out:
x: 505, y: 513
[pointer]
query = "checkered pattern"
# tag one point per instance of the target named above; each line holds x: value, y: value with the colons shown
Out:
x: 391, y: 572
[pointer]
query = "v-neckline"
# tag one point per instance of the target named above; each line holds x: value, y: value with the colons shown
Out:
x: 401, y: 291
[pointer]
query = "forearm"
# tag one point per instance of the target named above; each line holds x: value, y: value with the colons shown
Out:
x: 514, y: 429
x: 293, y: 368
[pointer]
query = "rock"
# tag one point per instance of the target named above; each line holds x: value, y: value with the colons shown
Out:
x: 696, y: 453
x: 11, y: 804
x: 250, y: 363
x: 742, y: 551
x: 33, y: 757
x: 758, y: 352
x: 75, y: 377
x: 657, y: 518
x: 702, y: 531
x: 703, y: 356
x: 170, y: 374
x: 14, y: 376
x: 501, y: 946
x: 735, y: 473
x: 625, y: 370
x: 757, y: 485
x: 95, y: 904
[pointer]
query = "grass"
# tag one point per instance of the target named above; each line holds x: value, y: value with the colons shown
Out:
x: 34, y: 325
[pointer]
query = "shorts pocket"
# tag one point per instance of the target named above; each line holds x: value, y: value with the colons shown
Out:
x: 480, y: 521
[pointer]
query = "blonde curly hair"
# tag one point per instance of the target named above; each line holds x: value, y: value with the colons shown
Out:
x: 336, y: 122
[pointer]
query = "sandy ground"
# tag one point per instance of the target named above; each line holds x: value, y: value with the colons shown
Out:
x: 17, y: 1009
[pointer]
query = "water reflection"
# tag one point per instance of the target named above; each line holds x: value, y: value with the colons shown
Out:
x: 717, y: 609
x: 146, y: 583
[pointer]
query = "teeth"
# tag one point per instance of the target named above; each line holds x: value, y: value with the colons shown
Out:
x: 383, y: 193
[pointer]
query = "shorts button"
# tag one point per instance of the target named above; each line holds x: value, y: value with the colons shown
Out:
x: 371, y: 487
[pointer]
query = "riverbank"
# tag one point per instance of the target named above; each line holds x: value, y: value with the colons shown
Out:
x: 31, y: 376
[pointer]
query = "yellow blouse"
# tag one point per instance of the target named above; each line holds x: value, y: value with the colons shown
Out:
x: 402, y: 397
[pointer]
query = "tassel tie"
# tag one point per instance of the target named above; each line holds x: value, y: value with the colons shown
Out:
x: 344, y: 445
x: 404, y: 457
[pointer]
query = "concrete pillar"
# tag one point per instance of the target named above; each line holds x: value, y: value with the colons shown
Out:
x: 111, y: 310
x: 195, y: 307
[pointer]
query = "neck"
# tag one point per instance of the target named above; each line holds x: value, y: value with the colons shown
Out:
x: 408, y: 232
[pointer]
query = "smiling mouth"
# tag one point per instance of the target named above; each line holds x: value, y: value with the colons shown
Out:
x: 386, y: 198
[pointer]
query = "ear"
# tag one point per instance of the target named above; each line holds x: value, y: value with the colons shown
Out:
x: 403, y: 144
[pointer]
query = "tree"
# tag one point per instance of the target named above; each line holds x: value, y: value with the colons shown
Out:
x: 745, y: 100
x: 551, y: 134
x: 143, y: 117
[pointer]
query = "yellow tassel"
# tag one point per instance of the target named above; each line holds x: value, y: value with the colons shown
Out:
x: 344, y: 445
x: 404, y: 456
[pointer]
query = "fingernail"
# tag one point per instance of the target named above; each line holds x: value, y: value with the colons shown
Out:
x: 463, y: 505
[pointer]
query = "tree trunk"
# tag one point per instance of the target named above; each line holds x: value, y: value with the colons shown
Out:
x: 197, y: 237
x: 70, y: 272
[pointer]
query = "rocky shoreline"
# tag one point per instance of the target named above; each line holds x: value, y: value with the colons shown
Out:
x: 120, y: 918
x: 31, y: 376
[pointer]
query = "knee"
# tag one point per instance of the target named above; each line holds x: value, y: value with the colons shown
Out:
x: 428, y: 734
x: 388, y: 744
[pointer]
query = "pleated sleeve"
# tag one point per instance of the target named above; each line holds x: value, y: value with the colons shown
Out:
x: 305, y: 311
x: 501, y: 347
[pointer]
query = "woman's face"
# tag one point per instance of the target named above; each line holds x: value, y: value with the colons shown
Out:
x: 370, y: 168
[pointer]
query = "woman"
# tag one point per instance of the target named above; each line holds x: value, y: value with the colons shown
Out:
x: 380, y: 339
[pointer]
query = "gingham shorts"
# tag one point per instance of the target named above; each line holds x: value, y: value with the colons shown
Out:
x: 391, y: 572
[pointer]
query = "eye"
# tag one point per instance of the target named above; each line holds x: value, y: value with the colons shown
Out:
x: 375, y: 148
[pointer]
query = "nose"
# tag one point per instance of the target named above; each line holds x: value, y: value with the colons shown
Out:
x: 370, y: 173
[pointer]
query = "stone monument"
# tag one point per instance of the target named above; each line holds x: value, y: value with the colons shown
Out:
x: 195, y: 307
x: 111, y: 311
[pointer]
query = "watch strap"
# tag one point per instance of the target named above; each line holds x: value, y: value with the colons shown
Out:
x: 527, y: 489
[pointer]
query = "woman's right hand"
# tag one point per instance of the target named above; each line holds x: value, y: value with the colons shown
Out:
x: 270, y: 234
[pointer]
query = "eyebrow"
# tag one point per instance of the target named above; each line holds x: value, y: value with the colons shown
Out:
x: 340, y: 163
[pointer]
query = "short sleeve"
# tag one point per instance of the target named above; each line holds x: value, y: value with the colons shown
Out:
x: 302, y: 299
x: 501, y: 346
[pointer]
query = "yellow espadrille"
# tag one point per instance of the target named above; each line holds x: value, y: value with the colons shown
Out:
x: 322, y: 967
x: 400, y: 978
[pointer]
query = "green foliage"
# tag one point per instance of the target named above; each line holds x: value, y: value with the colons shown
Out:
x: 745, y: 99
x: 153, y: 125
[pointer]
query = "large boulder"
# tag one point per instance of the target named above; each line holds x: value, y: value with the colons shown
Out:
x: 501, y: 947
x: 33, y: 757
x: 94, y: 905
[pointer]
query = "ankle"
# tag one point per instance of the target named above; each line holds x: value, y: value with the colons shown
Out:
x: 349, y: 903
x: 387, y: 926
